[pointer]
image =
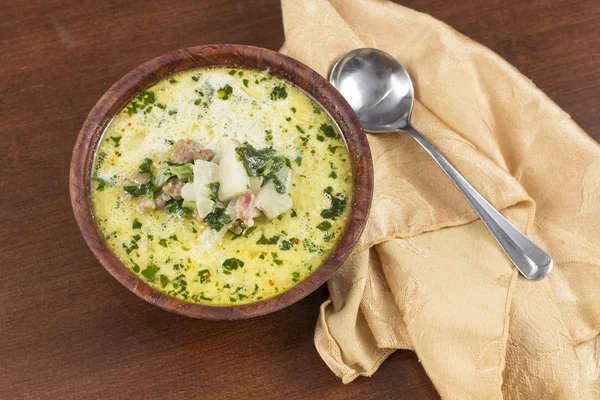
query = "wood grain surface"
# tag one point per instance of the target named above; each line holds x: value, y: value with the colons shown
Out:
x: 221, y: 55
x: 68, y: 330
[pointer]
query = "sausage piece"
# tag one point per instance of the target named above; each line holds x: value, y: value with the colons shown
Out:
x: 186, y: 150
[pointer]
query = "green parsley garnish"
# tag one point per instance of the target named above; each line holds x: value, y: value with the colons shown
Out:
x: 217, y: 219
x: 225, y: 92
x: 231, y: 264
x: 150, y: 272
x: 323, y: 226
x: 338, y: 204
x: 265, y: 240
x: 278, y: 92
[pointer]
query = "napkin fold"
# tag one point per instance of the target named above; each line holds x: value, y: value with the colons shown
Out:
x: 427, y: 275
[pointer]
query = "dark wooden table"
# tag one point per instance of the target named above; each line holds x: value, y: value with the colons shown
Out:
x: 68, y: 329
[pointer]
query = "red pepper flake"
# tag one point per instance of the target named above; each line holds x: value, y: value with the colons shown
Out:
x: 129, y: 124
x: 271, y: 283
x: 340, y: 228
x: 296, y: 240
x: 304, y: 144
x: 264, y: 253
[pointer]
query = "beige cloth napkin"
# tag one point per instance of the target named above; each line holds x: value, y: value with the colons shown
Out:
x: 426, y: 275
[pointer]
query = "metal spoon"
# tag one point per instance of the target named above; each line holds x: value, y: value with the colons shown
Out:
x: 381, y: 93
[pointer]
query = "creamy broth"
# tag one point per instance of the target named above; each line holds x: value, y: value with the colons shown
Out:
x: 179, y: 249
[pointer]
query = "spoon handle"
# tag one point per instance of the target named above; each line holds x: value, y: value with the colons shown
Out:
x: 532, y: 261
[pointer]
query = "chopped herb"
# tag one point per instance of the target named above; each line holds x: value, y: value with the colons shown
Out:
x: 332, y: 149
x: 310, y: 246
x: 327, y: 130
x: 225, y: 92
x: 293, y: 214
x: 204, y: 276
x: 320, y: 138
x: 300, y: 129
x: 161, y: 106
x: 172, y: 112
x: 231, y: 264
x: 174, y: 237
x: 295, y: 276
x: 328, y: 236
x: 163, y: 243
x: 214, y: 190
x: 278, y: 92
x: 164, y: 281
x: 197, y: 102
x: 217, y: 218
x: 150, y: 272
x: 245, y: 82
x: 288, y: 119
x: 262, y: 163
x: 276, y: 259
x: 169, y: 142
x: 286, y: 244
x: 264, y: 240
x: 145, y: 166
x: 202, y: 297
x: 333, y: 175
x: 255, y: 290
x: 268, y: 135
x: 237, y: 236
x: 195, y: 78
x: 293, y: 110
x: 136, y: 224
x: 249, y: 231
x: 338, y: 204
x: 232, y: 72
x: 133, y: 245
x: 255, y: 161
x: 227, y: 286
x: 323, y: 226
x: 141, y: 102
x: 179, y: 208
x: 262, y: 256
x: 100, y: 158
x: 172, y: 80
x: 116, y: 140
x: 299, y: 160
x: 136, y: 191
x: 240, y: 73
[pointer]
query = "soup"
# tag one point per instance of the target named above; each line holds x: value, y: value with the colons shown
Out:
x: 222, y: 186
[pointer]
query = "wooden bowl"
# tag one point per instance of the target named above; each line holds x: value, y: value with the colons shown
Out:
x: 249, y: 57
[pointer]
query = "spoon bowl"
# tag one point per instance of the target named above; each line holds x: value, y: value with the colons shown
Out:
x: 386, y: 104
x: 381, y: 93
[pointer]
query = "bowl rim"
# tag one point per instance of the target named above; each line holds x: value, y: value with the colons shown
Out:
x: 206, y: 56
